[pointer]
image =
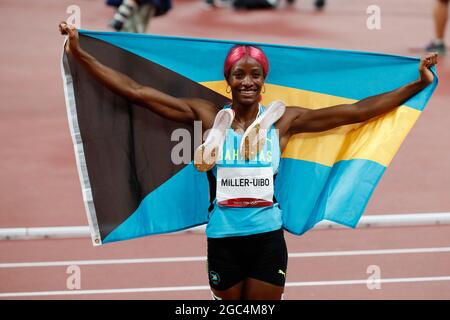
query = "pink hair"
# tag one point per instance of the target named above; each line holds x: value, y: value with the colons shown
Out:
x: 237, y: 52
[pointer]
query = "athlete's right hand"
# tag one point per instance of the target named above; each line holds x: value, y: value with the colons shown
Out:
x: 73, y: 43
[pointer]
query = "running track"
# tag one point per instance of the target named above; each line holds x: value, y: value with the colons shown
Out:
x: 39, y: 184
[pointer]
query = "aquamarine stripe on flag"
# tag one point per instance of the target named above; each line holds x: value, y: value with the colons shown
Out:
x: 309, y: 192
x: 333, y: 72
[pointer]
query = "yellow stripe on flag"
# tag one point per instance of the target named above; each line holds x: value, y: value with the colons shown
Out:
x: 377, y: 139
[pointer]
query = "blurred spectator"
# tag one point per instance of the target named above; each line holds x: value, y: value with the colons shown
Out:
x: 440, y: 14
x: 211, y: 4
x: 135, y: 15
x: 255, y: 4
x: 208, y: 4
x: 250, y: 4
x: 320, y: 4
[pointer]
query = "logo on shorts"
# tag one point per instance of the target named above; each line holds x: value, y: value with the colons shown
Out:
x: 282, y: 272
x: 214, y: 277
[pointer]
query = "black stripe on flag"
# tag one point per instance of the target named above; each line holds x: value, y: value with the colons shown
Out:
x: 127, y: 148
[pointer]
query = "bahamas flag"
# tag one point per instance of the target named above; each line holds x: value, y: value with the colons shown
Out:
x: 132, y: 188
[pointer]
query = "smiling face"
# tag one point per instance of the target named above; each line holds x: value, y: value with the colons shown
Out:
x: 246, y: 79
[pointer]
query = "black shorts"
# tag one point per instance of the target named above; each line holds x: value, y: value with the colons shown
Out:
x: 261, y: 256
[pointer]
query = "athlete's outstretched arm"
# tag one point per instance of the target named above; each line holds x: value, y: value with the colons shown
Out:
x: 306, y: 120
x: 178, y: 109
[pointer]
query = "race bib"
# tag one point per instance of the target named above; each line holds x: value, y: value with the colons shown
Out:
x: 245, y: 186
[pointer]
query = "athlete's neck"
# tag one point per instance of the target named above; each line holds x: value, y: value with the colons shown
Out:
x: 245, y: 113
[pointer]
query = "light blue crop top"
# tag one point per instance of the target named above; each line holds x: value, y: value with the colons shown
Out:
x: 231, y: 221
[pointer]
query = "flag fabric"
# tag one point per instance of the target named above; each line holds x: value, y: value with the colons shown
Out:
x: 132, y: 187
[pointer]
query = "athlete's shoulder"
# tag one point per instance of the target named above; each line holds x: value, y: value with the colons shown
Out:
x: 284, y: 124
x: 289, y: 115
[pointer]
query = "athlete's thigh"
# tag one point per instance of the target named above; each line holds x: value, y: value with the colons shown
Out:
x: 259, y: 290
x: 233, y: 293
x: 226, y: 272
x: 270, y: 259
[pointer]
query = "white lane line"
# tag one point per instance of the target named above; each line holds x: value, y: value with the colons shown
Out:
x: 203, y: 258
x: 368, y: 252
x: 365, y: 281
x: 100, y: 262
x: 104, y: 291
x: 196, y: 288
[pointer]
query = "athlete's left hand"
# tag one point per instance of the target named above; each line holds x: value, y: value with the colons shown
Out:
x: 426, y: 76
